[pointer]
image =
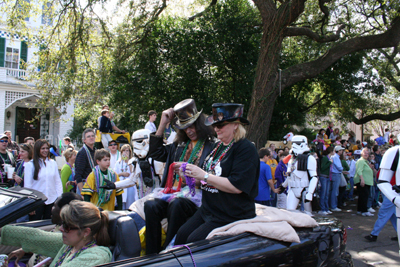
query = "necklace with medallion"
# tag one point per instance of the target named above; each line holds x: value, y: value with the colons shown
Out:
x: 212, y: 160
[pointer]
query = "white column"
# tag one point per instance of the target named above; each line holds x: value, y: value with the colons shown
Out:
x: 67, y: 119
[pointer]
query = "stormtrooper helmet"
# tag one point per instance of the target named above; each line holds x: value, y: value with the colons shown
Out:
x: 299, y: 145
x: 141, y: 142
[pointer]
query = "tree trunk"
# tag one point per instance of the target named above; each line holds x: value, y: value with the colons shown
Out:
x: 266, y: 88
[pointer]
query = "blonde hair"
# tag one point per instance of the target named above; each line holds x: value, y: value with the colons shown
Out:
x: 84, y: 214
x: 124, y: 147
x: 240, y: 132
x: 69, y: 153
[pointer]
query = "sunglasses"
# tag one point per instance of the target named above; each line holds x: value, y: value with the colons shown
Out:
x: 220, y: 125
x: 67, y: 228
x: 112, y: 145
x: 3, y: 141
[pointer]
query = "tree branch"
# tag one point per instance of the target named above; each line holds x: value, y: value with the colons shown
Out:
x: 294, y: 31
x: 377, y: 116
x: 307, y: 70
x: 213, y: 3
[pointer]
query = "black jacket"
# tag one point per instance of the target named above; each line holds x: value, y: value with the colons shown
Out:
x: 82, y: 165
x: 171, y: 153
x: 105, y: 125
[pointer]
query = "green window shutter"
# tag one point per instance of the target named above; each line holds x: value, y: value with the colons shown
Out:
x: 2, y: 51
x: 23, y: 55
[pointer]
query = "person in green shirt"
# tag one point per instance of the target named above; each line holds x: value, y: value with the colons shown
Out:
x: 84, y: 235
x: 68, y: 170
x: 363, y: 179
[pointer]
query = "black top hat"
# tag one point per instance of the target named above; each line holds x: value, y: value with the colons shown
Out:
x: 186, y: 113
x: 226, y: 112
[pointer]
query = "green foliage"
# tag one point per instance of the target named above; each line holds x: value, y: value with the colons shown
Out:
x: 211, y: 59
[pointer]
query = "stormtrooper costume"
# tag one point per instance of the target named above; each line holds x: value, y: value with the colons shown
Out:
x: 146, y: 171
x: 389, y: 175
x: 302, y: 176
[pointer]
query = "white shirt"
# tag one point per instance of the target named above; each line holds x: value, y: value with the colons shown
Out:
x: 289, y: 136
x: 151, y: 127
x: 48, y: 182
x: 114, y: 158
x: 386, y: 137
x: 130, y: 194
x: 352, y: 165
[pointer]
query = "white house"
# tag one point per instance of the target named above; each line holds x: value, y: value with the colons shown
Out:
x: 18, y: 110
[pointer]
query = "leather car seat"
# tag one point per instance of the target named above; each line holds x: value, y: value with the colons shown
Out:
x: 125, y: 241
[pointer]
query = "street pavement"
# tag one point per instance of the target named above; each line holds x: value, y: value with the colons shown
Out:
x: 383, y: 253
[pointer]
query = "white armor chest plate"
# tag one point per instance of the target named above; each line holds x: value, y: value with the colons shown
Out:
x: 297, y: 178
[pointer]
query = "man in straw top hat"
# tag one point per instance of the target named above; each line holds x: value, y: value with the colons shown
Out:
x: 193, y: 142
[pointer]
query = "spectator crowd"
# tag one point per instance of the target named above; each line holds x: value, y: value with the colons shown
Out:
x: 204, y: 144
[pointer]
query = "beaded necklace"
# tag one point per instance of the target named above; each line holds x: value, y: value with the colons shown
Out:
x: 194, y: 155
x: 76, y: 254
x: 190, y: 181
x: 104, y: 194
x: 7, y: 158
x: 212, y: 161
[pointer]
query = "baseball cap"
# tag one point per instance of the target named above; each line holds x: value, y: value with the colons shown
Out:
x: 338, y: 148
x: 3, y: 136
x: 357, y: 152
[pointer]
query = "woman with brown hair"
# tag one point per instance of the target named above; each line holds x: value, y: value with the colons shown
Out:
x: 42, y: 175
x: 84, y: 237
x: 25, y: 153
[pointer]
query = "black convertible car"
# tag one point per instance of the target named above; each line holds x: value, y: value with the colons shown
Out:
x: 323, y: 245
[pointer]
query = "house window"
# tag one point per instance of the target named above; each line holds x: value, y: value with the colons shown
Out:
x: 12, y: 58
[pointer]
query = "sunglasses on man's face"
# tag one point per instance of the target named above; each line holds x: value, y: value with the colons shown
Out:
x: 67, y: 228
x: 112, y: 145
x: 3, y: 141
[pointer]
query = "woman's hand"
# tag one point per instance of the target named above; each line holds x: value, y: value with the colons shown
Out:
x: 16, y: 178
x: 195, y: 172
x: 362, y: 183
x: 18, y: 254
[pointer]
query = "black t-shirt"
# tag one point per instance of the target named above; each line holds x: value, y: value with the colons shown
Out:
x: 5, y: 158
x: 241, y: 165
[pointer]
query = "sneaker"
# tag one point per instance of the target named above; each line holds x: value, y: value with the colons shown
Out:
x: 369, y: 214
x: 379, y: 204
x: 323, y: 212
x: 371, y: 238
x: 329, y: 212
x: 336, y: 209
x: 371, y: 210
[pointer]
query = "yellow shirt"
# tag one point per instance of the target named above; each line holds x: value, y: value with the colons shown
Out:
x: 90, y: 189
x: 273, y: 164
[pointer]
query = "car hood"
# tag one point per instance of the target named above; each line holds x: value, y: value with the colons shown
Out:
x: 16, y: 202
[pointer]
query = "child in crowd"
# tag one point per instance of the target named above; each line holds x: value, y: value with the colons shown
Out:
x: 319, y: 145
x: 92, y: 191
x: 105, y: 127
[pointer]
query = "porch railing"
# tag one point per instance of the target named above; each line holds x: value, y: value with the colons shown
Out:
x: 16, y: 73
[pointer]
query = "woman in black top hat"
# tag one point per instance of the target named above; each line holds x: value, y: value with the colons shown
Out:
x: 228, y: 177
x: 193, y: 142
